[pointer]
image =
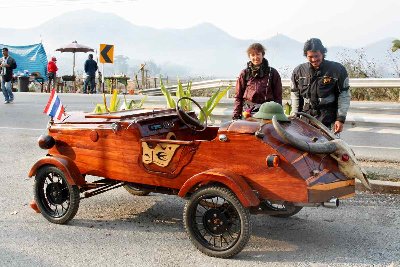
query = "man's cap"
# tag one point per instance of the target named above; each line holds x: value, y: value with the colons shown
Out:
x: 53, y: 59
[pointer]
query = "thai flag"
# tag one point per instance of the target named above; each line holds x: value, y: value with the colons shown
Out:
x: 54, y: 108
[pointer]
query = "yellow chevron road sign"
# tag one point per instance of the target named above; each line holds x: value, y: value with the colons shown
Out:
x: 106, y: 53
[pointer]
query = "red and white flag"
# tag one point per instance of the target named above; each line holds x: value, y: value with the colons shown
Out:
x: 54, y: 108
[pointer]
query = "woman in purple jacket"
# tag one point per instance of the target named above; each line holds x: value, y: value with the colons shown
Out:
x: 258, y: 83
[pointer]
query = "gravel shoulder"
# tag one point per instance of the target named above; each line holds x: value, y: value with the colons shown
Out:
x: 382, y: 170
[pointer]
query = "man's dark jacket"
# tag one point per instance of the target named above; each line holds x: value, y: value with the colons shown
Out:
x: 9, y: 70
x: 90, y: 67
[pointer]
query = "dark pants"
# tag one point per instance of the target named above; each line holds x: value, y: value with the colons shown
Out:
x: 52, y: 79
x: 327, y: 115
x: 92, y: 81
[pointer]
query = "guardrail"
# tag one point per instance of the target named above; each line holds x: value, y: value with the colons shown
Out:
x: 355, y: 83
x: 361, y: 113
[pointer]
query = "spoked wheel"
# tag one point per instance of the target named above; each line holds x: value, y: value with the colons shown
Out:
x: 136, y: 191
x: 57, y: 200
x: 216, y: 222
x: 287, y: 210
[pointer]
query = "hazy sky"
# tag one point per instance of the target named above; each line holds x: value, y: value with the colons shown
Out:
x: 337, y: 22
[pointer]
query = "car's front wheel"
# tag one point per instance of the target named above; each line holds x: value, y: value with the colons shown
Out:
x: 57, y: 200
x: 216, y: 222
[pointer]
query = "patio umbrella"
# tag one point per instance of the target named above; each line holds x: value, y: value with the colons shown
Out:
x: 74, y: 47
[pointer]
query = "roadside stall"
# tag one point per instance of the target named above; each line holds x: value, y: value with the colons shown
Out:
x: 74, y: 47
x: 30, y: 59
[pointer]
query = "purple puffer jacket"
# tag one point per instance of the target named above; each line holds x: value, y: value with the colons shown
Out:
x: 255, y: 90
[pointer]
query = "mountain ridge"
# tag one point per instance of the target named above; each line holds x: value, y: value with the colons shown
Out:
x: 201, y: 49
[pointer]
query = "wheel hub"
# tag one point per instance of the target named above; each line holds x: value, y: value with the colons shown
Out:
x: 215, y: 221
x: 56, y: 193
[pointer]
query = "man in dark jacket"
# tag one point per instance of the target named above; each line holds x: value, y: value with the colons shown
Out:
x: 90, y: 69
x: 8, y: 64
x: 321, y: 87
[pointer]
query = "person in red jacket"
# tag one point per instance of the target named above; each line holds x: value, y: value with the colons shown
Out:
x: 257, y: 84
x: 51, y: 73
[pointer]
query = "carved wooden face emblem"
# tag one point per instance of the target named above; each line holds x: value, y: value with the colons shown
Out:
x: 160, y: 153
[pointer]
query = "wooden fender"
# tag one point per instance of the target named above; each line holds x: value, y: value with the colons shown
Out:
x: 65, y: 164
x: 233, y: 181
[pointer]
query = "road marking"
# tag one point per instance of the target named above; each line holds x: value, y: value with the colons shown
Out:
x: 359, y: 129
x: 378, y: 147
x: 29, y: 129
x: 374, y: 130
x: 389, y: 131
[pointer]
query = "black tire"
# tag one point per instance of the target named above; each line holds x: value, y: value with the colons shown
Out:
x: 287, y: 209
x: 57, y: 200
x: 136, y: 191
x: 217, y: 223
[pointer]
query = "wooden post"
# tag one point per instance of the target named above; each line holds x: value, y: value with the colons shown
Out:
x: 147, y: 82
x: 137, y: 81
x: 143, y: 78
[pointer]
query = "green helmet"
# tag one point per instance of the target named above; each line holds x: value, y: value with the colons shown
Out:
x: 269, y: 109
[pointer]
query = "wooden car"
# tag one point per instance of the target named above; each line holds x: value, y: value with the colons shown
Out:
x: 226, y: 173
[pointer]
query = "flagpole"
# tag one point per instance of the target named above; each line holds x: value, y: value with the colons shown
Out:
x: 51, y: 122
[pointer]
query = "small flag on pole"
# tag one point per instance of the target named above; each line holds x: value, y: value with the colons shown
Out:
x: 54, y: 108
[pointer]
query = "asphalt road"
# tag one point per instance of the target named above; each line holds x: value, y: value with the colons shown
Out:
x: 118, y: 229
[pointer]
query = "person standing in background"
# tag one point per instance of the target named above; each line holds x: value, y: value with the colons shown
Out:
x: 257, y: 84
x: 51, y: 73
x: 320, y: 87
x: 90, y: 70
x: 8, y: 64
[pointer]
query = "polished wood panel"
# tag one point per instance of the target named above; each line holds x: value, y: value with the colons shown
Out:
x: 111, y: 146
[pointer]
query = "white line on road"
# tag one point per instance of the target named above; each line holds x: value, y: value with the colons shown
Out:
x: 359, y: 129
x: 389, y: 131
x: 29, y: 129
x: 377, y: 147
x: 374, y: 130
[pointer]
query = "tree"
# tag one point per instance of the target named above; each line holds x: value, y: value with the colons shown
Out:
x: 153, y: 68
x: 121, y: 64
x: 358, y: 65
x: 394, y: 60
x: 396, y: 45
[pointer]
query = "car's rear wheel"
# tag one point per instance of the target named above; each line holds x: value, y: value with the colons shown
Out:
x: 216, y: 222
x: 136, y: 191
x: 57, y: 200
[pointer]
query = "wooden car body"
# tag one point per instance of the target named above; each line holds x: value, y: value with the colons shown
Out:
x: 154, y: 149
x: 225, y: 173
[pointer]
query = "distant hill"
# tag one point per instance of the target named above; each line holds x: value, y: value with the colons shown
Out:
x: 202, y: 50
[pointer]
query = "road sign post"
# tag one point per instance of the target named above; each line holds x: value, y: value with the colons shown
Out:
x: 106, y: 56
